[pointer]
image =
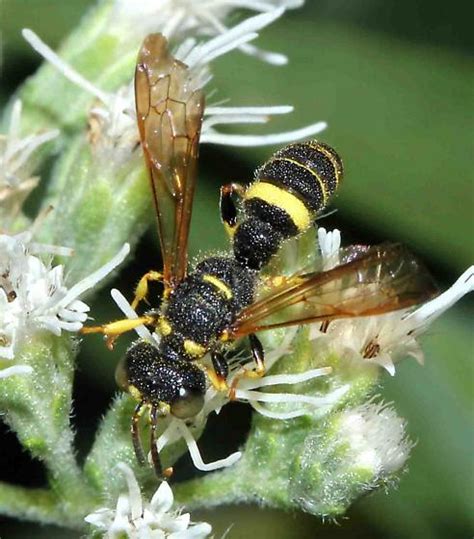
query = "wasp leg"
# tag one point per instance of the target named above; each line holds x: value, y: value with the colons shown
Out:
x: 323, y: 328
x: 227, y: 207
x: 141, y: 290
x: 134, y: 429
x: 155, y: 456
x: 218, y: 375
x: 259, y: 357
x: 115, y: 329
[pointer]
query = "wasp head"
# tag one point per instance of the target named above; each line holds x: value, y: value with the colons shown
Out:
x: 153, y: 380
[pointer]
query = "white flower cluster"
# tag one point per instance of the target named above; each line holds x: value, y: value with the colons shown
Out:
x: 16, y: 180
x: 137, y: 519
x: 179, y: 19
x: 112, y: 118
x: 33, y: 295
x: 375, y: 438
x: 382, y: 339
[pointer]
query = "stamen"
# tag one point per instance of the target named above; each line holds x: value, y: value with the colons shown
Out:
x: 263, y: 140
x: 136, y: 506
x: 95, y: 277
x: 233, y: 38
x: 434, y: 308
x: 277, y: 415
x: 16, y: 369
x: 39, y: 248
x: 127, y: 310
x: 49, y: 55
x: 278, y: 397
x: 287, y: 378
x: 268, y: 56
x: 270, y: 110
x: 196, y: 455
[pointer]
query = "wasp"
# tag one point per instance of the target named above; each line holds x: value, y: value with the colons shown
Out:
x: 204, y: 311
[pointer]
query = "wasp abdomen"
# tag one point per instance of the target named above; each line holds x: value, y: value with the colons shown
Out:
x: 289, y: 191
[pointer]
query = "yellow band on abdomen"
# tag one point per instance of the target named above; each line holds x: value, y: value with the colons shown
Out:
x: 276, y: 196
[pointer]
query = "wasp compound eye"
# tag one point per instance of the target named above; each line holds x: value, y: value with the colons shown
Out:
x: 188, y: 404
x: 121, y: 376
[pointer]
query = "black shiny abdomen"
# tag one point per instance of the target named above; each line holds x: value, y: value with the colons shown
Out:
x: 308, y: 171
x: 312, y: 157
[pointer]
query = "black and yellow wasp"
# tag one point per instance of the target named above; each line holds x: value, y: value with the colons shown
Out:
x: 221, y: 300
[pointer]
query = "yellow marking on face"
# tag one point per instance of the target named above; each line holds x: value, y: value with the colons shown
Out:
x: 281, y: 198
x: 220, y: 285
x: 193, y: 348
x: 135, y: 393
x: 164, y: 327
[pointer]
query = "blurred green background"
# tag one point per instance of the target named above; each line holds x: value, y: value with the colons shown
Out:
x: 394, y: 80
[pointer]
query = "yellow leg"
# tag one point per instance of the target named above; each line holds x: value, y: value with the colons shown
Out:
x: 141, y: 291
x: 218, y: 382
x: 258, y: 372
x: 115, y: 329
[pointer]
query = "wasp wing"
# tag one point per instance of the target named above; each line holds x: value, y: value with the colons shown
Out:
x: 369, y: 281
x: 169, y: 114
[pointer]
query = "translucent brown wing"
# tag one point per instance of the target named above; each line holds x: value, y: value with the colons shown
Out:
x: 369, y: 280
x: 169, y: 114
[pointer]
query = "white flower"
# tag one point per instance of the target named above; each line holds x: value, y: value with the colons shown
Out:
x: 139, y: 519
x: 33, y: 295
x: 112, y: 119
x: 16, y: 180
x: 375, y: 438
x: 180, y: 19
x: 329, y: 244
x: 387, y: 338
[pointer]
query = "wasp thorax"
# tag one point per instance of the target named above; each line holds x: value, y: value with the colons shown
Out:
x: 152, y: 379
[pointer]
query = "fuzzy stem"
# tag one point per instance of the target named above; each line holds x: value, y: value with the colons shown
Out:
x: 37, y: 408
x: 37, y: 505
x: 212, y: 490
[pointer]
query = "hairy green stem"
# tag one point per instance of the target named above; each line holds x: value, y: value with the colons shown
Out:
x: 212, y: 490
x: 37, y: 505
x: 37, y: 408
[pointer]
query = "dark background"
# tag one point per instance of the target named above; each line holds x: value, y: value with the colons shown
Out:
x: 394, y: 81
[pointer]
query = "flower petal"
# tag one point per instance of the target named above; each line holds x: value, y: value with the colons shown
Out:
x: 162, y: 500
